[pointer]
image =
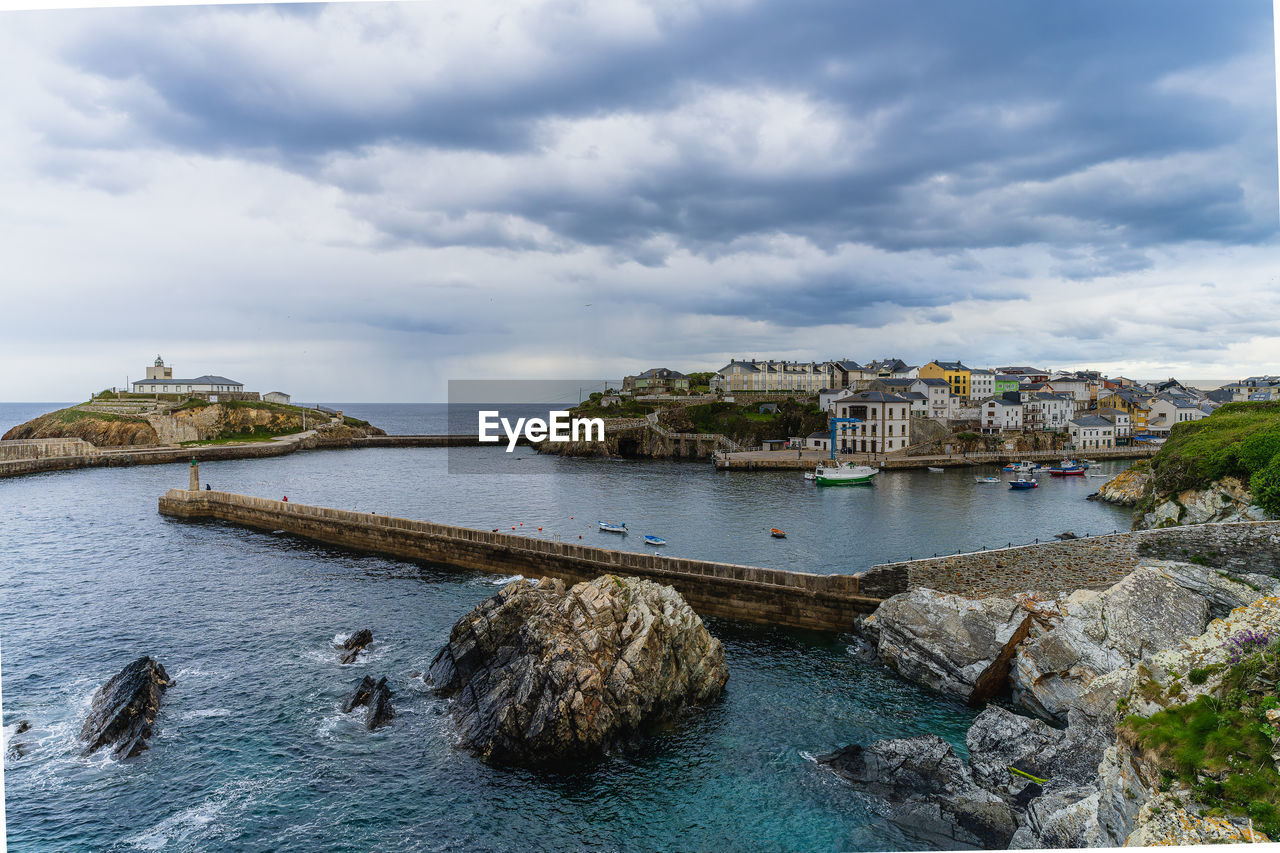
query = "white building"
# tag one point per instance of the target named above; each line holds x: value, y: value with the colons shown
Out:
x: 885, y: 427
x: 1045, y: 410
x: 1092, y: 432
x: 1168, y: 410
x: 982, y: 384
x: 1122, y: 421
x: 1077, y: 386
x: 160, y: 381
x: 938, y: 394
x: 1001, y: 414
x: 277, y: 397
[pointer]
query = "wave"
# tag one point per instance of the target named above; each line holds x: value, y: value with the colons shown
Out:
x: 207, y: 818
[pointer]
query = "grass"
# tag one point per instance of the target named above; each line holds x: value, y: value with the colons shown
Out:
x: 237, y: 438
x: 71, y: 416
x: 1238, y: 440
x: 1220, y: 745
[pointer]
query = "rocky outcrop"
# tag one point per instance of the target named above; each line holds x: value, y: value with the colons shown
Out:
x: 1164, y: 821
x: 376, y: 696
x: 350, y: 648
x: 100, y: 430
x: 1226, y: 500
x: 931, y: 792
x: 541, y: 674
x: 1094, y: 633
x: 1127, y: 487
x: 125, y: 707
x: 950, y: 643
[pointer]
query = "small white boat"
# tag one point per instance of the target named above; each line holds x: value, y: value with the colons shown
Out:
x: 654, y: 540
x: 933, y: 470
x: 610, y: 527
x: 809, y: 475
x: 986, y: 479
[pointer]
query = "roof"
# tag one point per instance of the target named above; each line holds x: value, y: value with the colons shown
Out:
x: 872, y: 397
x: 826, y: 434
x: 982, y: 370
x: 913, y: 395
x: 661, y: 372
x: 933, y: 381
x: 207, y: 379
x: 1221, y: 395
x: 950, y: 365
x: 1092, y: 421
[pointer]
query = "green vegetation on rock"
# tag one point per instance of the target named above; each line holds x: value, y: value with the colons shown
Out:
x: 1221, y: 744
x: 1238, y: 440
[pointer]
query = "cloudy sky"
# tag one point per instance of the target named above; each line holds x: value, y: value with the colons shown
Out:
x: 359, y: 202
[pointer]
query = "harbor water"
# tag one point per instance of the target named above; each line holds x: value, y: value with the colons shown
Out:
x: 251, y: 751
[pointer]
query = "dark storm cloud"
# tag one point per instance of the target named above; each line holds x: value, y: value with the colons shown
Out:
x: 1005, y: 99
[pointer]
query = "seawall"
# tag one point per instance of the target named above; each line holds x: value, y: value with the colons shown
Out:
x: 1094, y: 562
x: 747, y: 593
x: 790, y: 460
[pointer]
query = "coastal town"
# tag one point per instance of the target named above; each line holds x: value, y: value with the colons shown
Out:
x: 887, y: 406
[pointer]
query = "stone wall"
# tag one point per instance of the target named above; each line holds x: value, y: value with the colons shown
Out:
x: 1094, y: 562
x: 769, y: 596
x: 44, y: 448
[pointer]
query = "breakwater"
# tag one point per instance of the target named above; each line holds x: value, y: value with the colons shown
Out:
x: 748, y: 593
x: 1093, y: 562
x: 791, y: 460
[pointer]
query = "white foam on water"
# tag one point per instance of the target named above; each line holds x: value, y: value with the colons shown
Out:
x: 808, y: 756
x: 503, y: 581
x: 203, y: 714
x: 201, y: 820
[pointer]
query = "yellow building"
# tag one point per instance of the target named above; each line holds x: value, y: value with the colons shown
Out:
x: 956, y: 375
x: 1135, y: 405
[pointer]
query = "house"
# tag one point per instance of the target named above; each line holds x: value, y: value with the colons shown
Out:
x: 1047, y: 410
x: 938, y: 394
x: 1025, y: 374
x: 891, y: 368
x: 919, y: 403
x: 955, y: 373
x: 982, y: 383
x: 796, y: 376
x: 1080, y: 388
x: 828, y: 396
x: 818, y: 441
x: 1123, y: 424
x: 1006, y: 382
x: 1254, y: 389
x: 1132, y: 402
x: 656, y: 380
x: 160, y: 381
x: 1170, y: 409
x: 1092, y: 432
x: 885, y: 427
x: 277, y: 397
x: 1001, y: 414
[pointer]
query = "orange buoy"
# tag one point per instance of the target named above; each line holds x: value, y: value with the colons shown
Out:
x: 539, y: 528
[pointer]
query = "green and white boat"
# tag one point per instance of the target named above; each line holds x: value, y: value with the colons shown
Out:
x: 846, y: 474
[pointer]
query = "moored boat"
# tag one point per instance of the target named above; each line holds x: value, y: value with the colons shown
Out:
x: 610, y: 527
x: 777, y: 534
x: 846, y: 474
x: 933, y: 470
x: 986, y: 479
x: 1023, y: 483
x: 654, y: 540
x: 1068, y: 468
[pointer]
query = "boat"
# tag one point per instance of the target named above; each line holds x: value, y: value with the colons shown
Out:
x: 654, y: 540
x: 809, y: 475
x: 1023, y: 467
x: 986, y: 479
x: 610, y: 527
x: 1023, y: 483
x: 777, y: 534
x: 846, y: 474
x: 933, y: 470
x: 1068, y: 468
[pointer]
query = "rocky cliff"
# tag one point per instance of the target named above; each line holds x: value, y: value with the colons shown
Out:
x: 1127, y: 487
x: 545, y: 675
x: 1227, y: 499
x: 97, y: 429
x: 1117, y: 672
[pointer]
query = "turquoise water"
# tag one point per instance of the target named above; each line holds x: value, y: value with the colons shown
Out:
x: 250, y: 751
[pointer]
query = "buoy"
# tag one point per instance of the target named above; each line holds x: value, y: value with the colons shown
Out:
x: 495, y: 530
x: 513, y: 528
x: 539, y: 528
x: 522, y: 524
x: 571, y: 518
x: 579, y: 535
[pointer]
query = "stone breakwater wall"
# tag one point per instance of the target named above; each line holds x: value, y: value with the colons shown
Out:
x: 1094, y: 563
x: 747, y: 593
x: 114, y: 458
x: 22, y: 449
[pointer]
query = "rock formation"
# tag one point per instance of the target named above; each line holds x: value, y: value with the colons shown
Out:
x: 541, y: 674
x: 374, y: 696
x: 950, y: 643
x: 125, y: 707
x: 1227, y: 499
x: 930, y: 791
x: 350, y: 648
x: 1127, y: 487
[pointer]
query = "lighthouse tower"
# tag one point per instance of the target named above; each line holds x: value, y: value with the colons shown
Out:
x: 159, y: 371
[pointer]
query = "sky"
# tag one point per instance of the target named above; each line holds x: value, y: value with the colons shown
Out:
x: 360, y: 202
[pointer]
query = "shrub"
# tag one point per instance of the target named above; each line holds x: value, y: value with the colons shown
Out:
x: 1265, y: 485
x: 1199, y: 675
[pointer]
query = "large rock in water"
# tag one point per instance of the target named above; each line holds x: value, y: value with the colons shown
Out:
x: 544, y: 675
x: 930, y: 790
x: 125, y: 707
x: 950, y: 643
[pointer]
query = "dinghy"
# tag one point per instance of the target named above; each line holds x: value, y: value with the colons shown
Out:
x: 610, y: 527
x: 654, y: 540
x: 986, y: 479
x: 777, y: 534
x: 933, y: 470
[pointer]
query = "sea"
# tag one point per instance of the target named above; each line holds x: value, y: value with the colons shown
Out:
x: 251, y: 750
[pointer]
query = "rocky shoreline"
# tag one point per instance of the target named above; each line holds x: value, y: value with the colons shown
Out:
x: 1066, y: 770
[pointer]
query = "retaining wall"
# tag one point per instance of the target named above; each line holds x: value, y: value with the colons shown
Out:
x: 1094, y: 562
x: 44, y: 448
x: 748, y: 593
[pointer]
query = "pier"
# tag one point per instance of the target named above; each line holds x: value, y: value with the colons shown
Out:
x: 806, y: 460
x: 747, y: 593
